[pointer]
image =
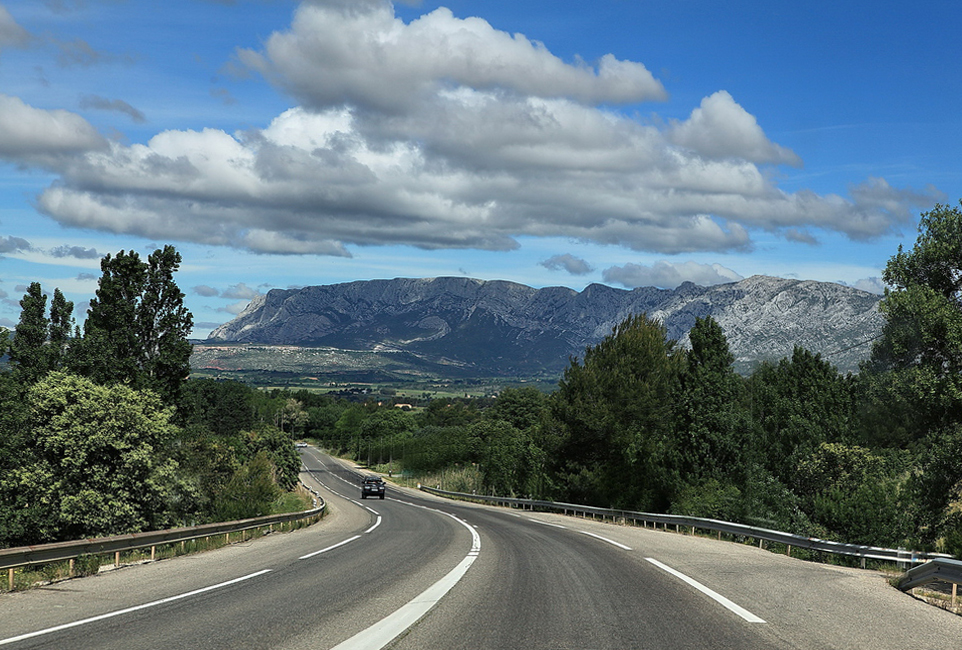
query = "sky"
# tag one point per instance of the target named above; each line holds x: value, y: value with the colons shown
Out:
x: 281, y: 144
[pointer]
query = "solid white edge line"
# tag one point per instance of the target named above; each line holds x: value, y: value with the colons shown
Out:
x: 128, y: 610
x: 605, y: 539
x: 389, y: 628
x: 329, y: 548
x: 737, y: 609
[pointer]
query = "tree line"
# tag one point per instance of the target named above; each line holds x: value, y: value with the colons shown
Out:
x: 640, y: 423
x: 637, y: 422
x: 102, y: 433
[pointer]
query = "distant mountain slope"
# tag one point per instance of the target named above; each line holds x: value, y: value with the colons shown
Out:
x: 505, y: 328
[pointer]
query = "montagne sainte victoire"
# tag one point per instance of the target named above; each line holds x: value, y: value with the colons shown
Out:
x: 500, y: 328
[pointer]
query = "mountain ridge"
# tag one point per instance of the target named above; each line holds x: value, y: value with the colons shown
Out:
x: 508, y: 328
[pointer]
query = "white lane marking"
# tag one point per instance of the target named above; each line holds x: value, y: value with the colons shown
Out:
x: 128, y: 610
x: 605, y: 539
x: 376, y: 524
x: 389, y: 628
x: 546, y: 523
x: 329, y: 548
x: 737, y: 609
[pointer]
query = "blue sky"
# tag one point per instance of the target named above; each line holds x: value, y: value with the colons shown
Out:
x: 283, y: 144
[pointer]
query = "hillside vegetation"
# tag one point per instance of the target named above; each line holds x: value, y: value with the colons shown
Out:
x: 101, y: 434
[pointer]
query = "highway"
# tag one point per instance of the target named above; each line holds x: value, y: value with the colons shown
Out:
x: 414, y: 571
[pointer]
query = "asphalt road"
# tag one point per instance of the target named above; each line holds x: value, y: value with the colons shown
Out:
x: 423, y: 573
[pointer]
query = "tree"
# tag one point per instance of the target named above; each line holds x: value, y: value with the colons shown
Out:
x: 225, y: 408
x: 615, y: 411
x: 250, y: 492
x: 137, y: 326
x: 40, y: 343
x: 521, y: 407
x: 797, y: 404
x: 61, y: 328
x: 96, y: 463
x: 712, y: 436
x: 28, y: 351
x: 922, y: 337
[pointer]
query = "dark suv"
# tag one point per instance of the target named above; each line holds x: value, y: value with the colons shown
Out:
x: 372, y: 486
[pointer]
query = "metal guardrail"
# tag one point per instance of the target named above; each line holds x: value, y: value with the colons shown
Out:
x: 900, y: 556
x: 13, y: 558
x: 937, y: 570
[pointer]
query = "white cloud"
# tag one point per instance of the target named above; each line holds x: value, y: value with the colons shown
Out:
x: 29, y: 134
x: 669, y: 275
x: 234, y: 308
x: 872, y: 285
x: 361, y: 54
x: 240, y: 291
x: 444, y: 133
x: 720, y: 128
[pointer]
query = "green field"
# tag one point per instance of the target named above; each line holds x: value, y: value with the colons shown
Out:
x: 334, y: 370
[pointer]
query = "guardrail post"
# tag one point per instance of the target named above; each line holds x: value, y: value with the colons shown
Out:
x: 117, y: 560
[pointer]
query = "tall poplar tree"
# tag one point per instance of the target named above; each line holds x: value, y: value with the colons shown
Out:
x: 28, y: 350
x: 137, y: 326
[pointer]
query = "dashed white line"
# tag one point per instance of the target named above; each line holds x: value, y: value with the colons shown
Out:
x: 546, y: 523
x: 737, y: 609
x: 605, y: 539
x: 329, y: 548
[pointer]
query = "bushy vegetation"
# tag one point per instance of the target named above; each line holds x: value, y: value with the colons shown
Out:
x: 873, y: 458
x: 102, y: 434
x: 637, y: 423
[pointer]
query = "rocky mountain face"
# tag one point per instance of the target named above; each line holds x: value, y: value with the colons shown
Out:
x: 507, y: 329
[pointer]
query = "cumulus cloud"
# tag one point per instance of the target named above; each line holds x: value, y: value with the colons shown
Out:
x: 442, y: 133
x: 361, y: 54
x: 87, y: 277
x: 669, y: 275
x: 721, y: 128
x: 118, y: 105
x: 29, y: 134
x: 567, y: 262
